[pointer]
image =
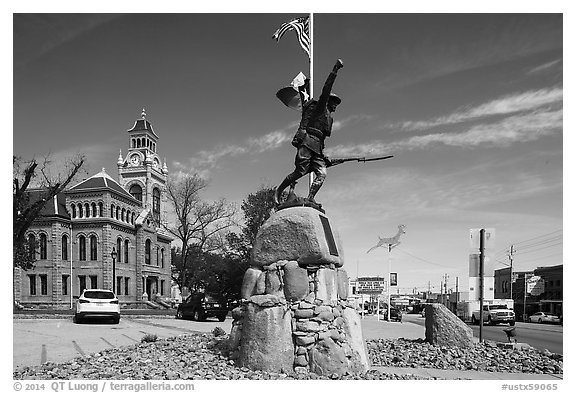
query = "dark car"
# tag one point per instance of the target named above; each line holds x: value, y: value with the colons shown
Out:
x: 200, y: 306
x: 395, y: 314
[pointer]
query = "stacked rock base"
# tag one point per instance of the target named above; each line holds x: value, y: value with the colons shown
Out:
x: 295, y: 318
x: 294, y: 314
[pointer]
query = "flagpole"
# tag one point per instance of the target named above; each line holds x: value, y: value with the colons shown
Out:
x: 311, y: 177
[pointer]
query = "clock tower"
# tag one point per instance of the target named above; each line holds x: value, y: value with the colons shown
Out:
x: 141, y: 172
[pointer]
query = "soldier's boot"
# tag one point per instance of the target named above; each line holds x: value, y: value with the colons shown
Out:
x: 313, y: 190
x: 285, y: 183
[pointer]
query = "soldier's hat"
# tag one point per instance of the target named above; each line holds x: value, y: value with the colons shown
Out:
x: 335, y: 98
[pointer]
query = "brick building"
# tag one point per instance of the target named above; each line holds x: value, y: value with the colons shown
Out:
x: 80, y: 228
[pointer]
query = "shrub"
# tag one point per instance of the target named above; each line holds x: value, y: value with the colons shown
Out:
x: 149, y: 338
x: 218, y: 331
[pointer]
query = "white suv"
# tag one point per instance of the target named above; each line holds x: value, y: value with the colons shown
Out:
x: 97, y: 303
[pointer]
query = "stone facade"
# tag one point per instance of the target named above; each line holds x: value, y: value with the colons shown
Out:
x: 82, y: 226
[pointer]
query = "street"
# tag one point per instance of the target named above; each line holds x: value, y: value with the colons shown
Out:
x: 538, y: 336
x: 36, y: 341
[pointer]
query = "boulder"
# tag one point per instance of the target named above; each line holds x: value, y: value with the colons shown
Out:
x: 353, y: 332
x: 300, y: 234
x: 295, y: 281
x: 342, y: 283
x: 266, y: 342
x: 273, y: 284
x: 326, y: 290
x: 249, y: 283
x: 443, y: 328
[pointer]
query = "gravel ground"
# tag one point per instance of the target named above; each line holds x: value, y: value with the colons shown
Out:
x: 482, y: 357
x: 201, y: 357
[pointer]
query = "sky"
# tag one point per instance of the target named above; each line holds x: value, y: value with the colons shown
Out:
x: 469, y: 104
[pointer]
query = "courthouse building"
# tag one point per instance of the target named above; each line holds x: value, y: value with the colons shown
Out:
x: 104, y: 233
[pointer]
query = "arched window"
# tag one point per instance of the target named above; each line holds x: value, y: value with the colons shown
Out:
x: 138, y: 143
x: 94, y: 212
x: 147, y: 251
x: 126, y: 248
x: 87, y: 209
x: 132, y: 221
x: 162, y: 257
x: 156, y: 204
x: 119, y: 249
x: 80, y: 211
x: 123, y: 214
x: 112, y: 210
x: 100, y: 209
x: 82, y: 248
x: 136, y: 192
x: 64, y: 247
x: 43, y: 246
x: 93, y: 248
x: 73, y: 211
x: 133, y: 143
x: 32, y: 247
x: 157, y: 256
x: 128, y: 216
x: 117, y: 212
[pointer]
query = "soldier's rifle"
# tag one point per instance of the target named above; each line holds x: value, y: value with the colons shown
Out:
x: 337, y: 161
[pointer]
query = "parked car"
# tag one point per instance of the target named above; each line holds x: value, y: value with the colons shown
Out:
x: 97, y: 303
x: 395, y: 314
x: 544, y: 317
x: 200, y: 306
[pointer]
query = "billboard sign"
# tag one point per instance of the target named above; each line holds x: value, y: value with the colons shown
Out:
x: 535, y: 286
x: 393, y: 279
x: 370, y: 285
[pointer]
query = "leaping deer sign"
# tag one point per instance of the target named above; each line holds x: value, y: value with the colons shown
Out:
x: 391, y: 242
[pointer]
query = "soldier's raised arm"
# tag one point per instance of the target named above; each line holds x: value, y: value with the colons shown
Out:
x: 327, y: 89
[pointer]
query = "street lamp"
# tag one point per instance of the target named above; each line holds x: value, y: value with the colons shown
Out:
x: 113, y: 254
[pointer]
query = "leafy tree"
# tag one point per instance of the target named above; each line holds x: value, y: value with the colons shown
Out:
x: 257, y: 208
x: 199, y: 225
x: 33, y: 175
x: 220, y: 267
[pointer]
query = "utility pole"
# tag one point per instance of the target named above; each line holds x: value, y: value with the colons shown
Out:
x: 457, y: 293
x: 482, y: 232
x: 447, y: 302
x: 511, y: 258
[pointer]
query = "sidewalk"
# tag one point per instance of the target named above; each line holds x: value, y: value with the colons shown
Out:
x: 373, y: 329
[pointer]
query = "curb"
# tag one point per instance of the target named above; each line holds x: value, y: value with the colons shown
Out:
x: 464, y: 374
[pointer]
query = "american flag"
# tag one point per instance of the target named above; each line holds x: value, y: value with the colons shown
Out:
x: 302, y: 27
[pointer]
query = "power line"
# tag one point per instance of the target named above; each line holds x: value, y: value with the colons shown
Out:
x: 538, y: 249
x: 540, y: 239
x: 525, y: 241
x: 545, y: 256
x: 422, y: 259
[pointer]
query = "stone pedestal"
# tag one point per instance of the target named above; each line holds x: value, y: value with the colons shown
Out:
x: 294, y: 314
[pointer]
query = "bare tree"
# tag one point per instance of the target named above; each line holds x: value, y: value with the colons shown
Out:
x: 199, y: 224
x: 28, y: 175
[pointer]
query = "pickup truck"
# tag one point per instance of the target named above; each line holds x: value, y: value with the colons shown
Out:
x: 494, y: 314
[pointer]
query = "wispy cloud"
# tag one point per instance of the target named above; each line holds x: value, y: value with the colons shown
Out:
x: 544, y: 67
x: 205, y: 160
x: 510, y: 104
x: 518, y: 128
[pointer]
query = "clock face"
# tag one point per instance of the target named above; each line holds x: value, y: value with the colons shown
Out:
x: 135, y: 159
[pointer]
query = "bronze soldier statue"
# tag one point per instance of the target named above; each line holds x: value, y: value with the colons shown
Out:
x: 315, y: 126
